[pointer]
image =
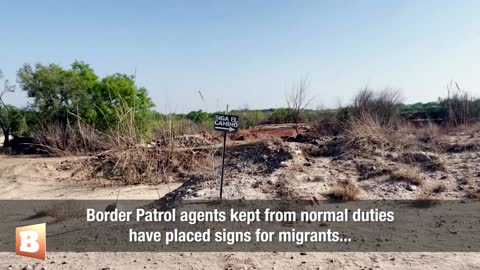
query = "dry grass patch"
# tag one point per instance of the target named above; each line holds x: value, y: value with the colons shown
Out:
x: 366, y: 127
x: 409, y: 175
x: 138, y: 164
x: 442, y: 187
x: 429, y: 133
x: 345, y: 191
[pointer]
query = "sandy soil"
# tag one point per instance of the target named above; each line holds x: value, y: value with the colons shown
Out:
x: 301, y: 175
x: 44, y: 178
x: 241, y: 261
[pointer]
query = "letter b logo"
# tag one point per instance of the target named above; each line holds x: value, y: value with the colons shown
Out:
x: 31, y: 241
x: 28, y: 242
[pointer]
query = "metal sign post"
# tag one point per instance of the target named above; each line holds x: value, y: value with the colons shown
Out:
x: 225, y: 123
x: 223, y: 163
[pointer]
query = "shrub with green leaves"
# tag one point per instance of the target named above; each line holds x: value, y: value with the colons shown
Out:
x: 77, y: 94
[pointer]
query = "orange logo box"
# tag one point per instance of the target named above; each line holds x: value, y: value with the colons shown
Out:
x: 31, y: 241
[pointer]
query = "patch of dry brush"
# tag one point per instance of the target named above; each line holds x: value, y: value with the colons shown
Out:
x: 439, y: 188
x: 408, y: 174
x: 344, y: 191
x: 67, y: 139
x: 150, y: 165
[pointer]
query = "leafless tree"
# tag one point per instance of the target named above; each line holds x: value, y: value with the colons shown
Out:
x: 298, y: 100
x: 381, y: 106
x: 5, y: 117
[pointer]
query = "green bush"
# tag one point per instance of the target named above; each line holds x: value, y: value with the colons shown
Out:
x: 77, y: 94
x: 199, y: 116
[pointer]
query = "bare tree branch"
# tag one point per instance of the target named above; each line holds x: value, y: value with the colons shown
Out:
x: 298, y: 100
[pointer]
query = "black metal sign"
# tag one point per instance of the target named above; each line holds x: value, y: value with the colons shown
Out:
x: 226, y: 123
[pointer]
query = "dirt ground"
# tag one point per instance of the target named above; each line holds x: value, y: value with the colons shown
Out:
x: 45, y: 178
x: 241, y: 261
x: 273, y: 169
